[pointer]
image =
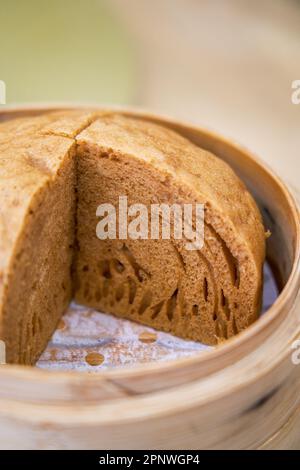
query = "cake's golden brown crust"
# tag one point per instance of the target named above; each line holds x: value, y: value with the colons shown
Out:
x: 207, y: 295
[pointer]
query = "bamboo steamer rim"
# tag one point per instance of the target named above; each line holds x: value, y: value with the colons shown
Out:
x: 201, y: 364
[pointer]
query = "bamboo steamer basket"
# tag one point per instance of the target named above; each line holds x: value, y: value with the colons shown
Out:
x: 244, y: 394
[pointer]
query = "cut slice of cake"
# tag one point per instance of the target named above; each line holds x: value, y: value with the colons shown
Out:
x: 37, y: 228
x: 209, y: 294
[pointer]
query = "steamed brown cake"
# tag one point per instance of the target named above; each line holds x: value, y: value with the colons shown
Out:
x: 56, y: 169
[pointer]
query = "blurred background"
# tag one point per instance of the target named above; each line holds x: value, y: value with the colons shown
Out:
x: 224, y: 64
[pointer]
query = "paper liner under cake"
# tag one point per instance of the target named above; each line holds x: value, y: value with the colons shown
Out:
x: 87, y: 340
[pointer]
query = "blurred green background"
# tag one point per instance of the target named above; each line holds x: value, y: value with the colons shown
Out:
x: 64, y: 50
x: 224, y: 64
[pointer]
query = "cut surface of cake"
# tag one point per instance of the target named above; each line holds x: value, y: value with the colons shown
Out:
x: 57, y: 169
